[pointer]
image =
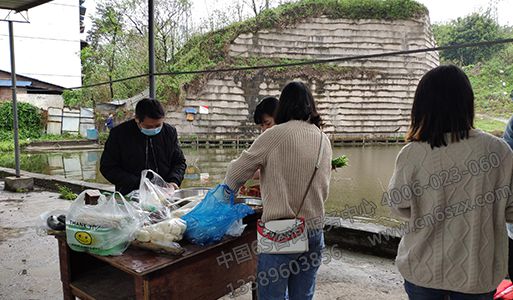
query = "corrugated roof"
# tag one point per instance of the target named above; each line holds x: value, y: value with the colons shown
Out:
x: 21, y: 5
x: 20, y: 83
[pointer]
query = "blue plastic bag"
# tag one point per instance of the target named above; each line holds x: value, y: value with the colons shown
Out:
x: 208, y: 222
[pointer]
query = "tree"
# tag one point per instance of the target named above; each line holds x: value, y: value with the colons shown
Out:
x: 257, y: 6
x: 472, y: 28
x: 118, y: 44
x: 106, y: 37
x: 172, y: 25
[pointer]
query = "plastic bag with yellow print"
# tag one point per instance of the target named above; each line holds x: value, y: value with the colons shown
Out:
x: 106, y: 228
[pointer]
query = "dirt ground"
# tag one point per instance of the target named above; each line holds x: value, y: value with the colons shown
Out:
x: 30, y: 268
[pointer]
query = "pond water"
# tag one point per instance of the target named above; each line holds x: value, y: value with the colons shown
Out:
x: 355, y: 191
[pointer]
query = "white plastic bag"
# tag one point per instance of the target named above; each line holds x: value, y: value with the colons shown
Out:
x: 236, y: 229
x: 154, y: 195
x: 106, y: 228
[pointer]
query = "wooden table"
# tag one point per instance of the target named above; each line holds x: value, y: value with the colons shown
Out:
x: 198, y: 273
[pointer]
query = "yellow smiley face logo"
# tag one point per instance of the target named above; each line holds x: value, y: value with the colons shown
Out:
x: 84, y: 238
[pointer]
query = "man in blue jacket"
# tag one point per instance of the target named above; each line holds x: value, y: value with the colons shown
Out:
x: 145, y: 142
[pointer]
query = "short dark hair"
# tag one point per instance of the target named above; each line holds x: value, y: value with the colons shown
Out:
x: 297, y: 103
x: 150, y: 108
x: 266, y: 106
x: 443, y: 103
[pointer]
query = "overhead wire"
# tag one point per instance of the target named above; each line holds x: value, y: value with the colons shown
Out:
x: 307, y: 62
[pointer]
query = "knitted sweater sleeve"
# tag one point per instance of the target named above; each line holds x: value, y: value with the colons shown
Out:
x: 243, y: 168
x: 402, y: 176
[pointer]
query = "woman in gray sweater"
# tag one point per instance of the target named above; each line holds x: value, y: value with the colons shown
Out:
x: 286, y: 155
x: 452, y: 185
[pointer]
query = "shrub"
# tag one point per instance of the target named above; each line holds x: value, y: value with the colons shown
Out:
x: 30, y: 123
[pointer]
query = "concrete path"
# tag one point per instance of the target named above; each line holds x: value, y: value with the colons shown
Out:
x: 29, y: 262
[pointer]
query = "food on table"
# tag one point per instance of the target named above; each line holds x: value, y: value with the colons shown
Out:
x: 170, y: 230
x: 251, y: 189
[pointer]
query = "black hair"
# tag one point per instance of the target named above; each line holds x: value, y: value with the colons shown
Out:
x: 443, y: 103
x: 266, y: 106
x: 297, y: 103
x: 150, y: 108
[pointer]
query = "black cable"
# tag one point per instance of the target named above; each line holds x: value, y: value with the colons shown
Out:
x: 311, y: 62
x: 107, y: 82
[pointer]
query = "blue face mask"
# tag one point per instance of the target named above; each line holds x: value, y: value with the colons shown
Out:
x: 151, y: 132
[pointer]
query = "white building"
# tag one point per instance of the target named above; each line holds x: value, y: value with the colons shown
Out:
x: 47, y: 48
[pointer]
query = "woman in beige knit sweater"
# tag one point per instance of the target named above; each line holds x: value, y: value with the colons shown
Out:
x: 452, y: 184
x: 286, y: 155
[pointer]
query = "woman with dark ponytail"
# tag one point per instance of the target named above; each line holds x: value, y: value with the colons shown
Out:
x: 287, y: 155
x: 297, y: 103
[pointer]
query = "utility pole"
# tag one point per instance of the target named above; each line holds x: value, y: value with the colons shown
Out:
x: 151, y: 47
x: 14, y: 102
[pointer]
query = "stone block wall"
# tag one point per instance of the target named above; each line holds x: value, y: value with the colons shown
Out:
x: 372, y: 99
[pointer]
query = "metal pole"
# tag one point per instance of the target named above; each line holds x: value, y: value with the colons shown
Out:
x: 151, y: 48
x: 14, y: 102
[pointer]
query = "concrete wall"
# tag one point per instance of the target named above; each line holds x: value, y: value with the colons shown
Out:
x: 372, y: 100
x: 43, y: 101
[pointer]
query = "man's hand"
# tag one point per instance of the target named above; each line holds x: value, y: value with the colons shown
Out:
x: 173, y: 185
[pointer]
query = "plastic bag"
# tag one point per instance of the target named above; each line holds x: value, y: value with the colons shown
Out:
x: 209, y: 221
x: 106, y: 228
x: 154, y: 194
x: 236, y: 229
x: 51, y: 220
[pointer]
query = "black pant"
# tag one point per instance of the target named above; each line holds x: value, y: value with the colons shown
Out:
x: 510, y: 262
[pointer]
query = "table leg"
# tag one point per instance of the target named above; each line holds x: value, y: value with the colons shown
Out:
x: 65, y: 266
x: 142, y: 290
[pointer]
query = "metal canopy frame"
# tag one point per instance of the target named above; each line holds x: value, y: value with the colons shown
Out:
x: 21, y: 5
x: 16, y: 6
x: 151, y: 48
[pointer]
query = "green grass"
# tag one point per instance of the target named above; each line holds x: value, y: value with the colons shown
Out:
x: 208, y: 51
x: 489, y: 125
x: 8, y: 146
x: 59, y: 137
x: 7, y: 142
x: 492, y: 82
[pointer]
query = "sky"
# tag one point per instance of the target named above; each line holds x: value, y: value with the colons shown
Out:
x: 439, y: 10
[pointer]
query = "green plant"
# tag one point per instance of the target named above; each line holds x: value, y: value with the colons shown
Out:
x: 339, y: 162
x: 59, y: 137
x: 492, y: 82
x: 472, y: 28
x: 102, y: 137
x: 75, y: 98
x: 30, y: 124
x: 8, y: 145
x: 66, y: 193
